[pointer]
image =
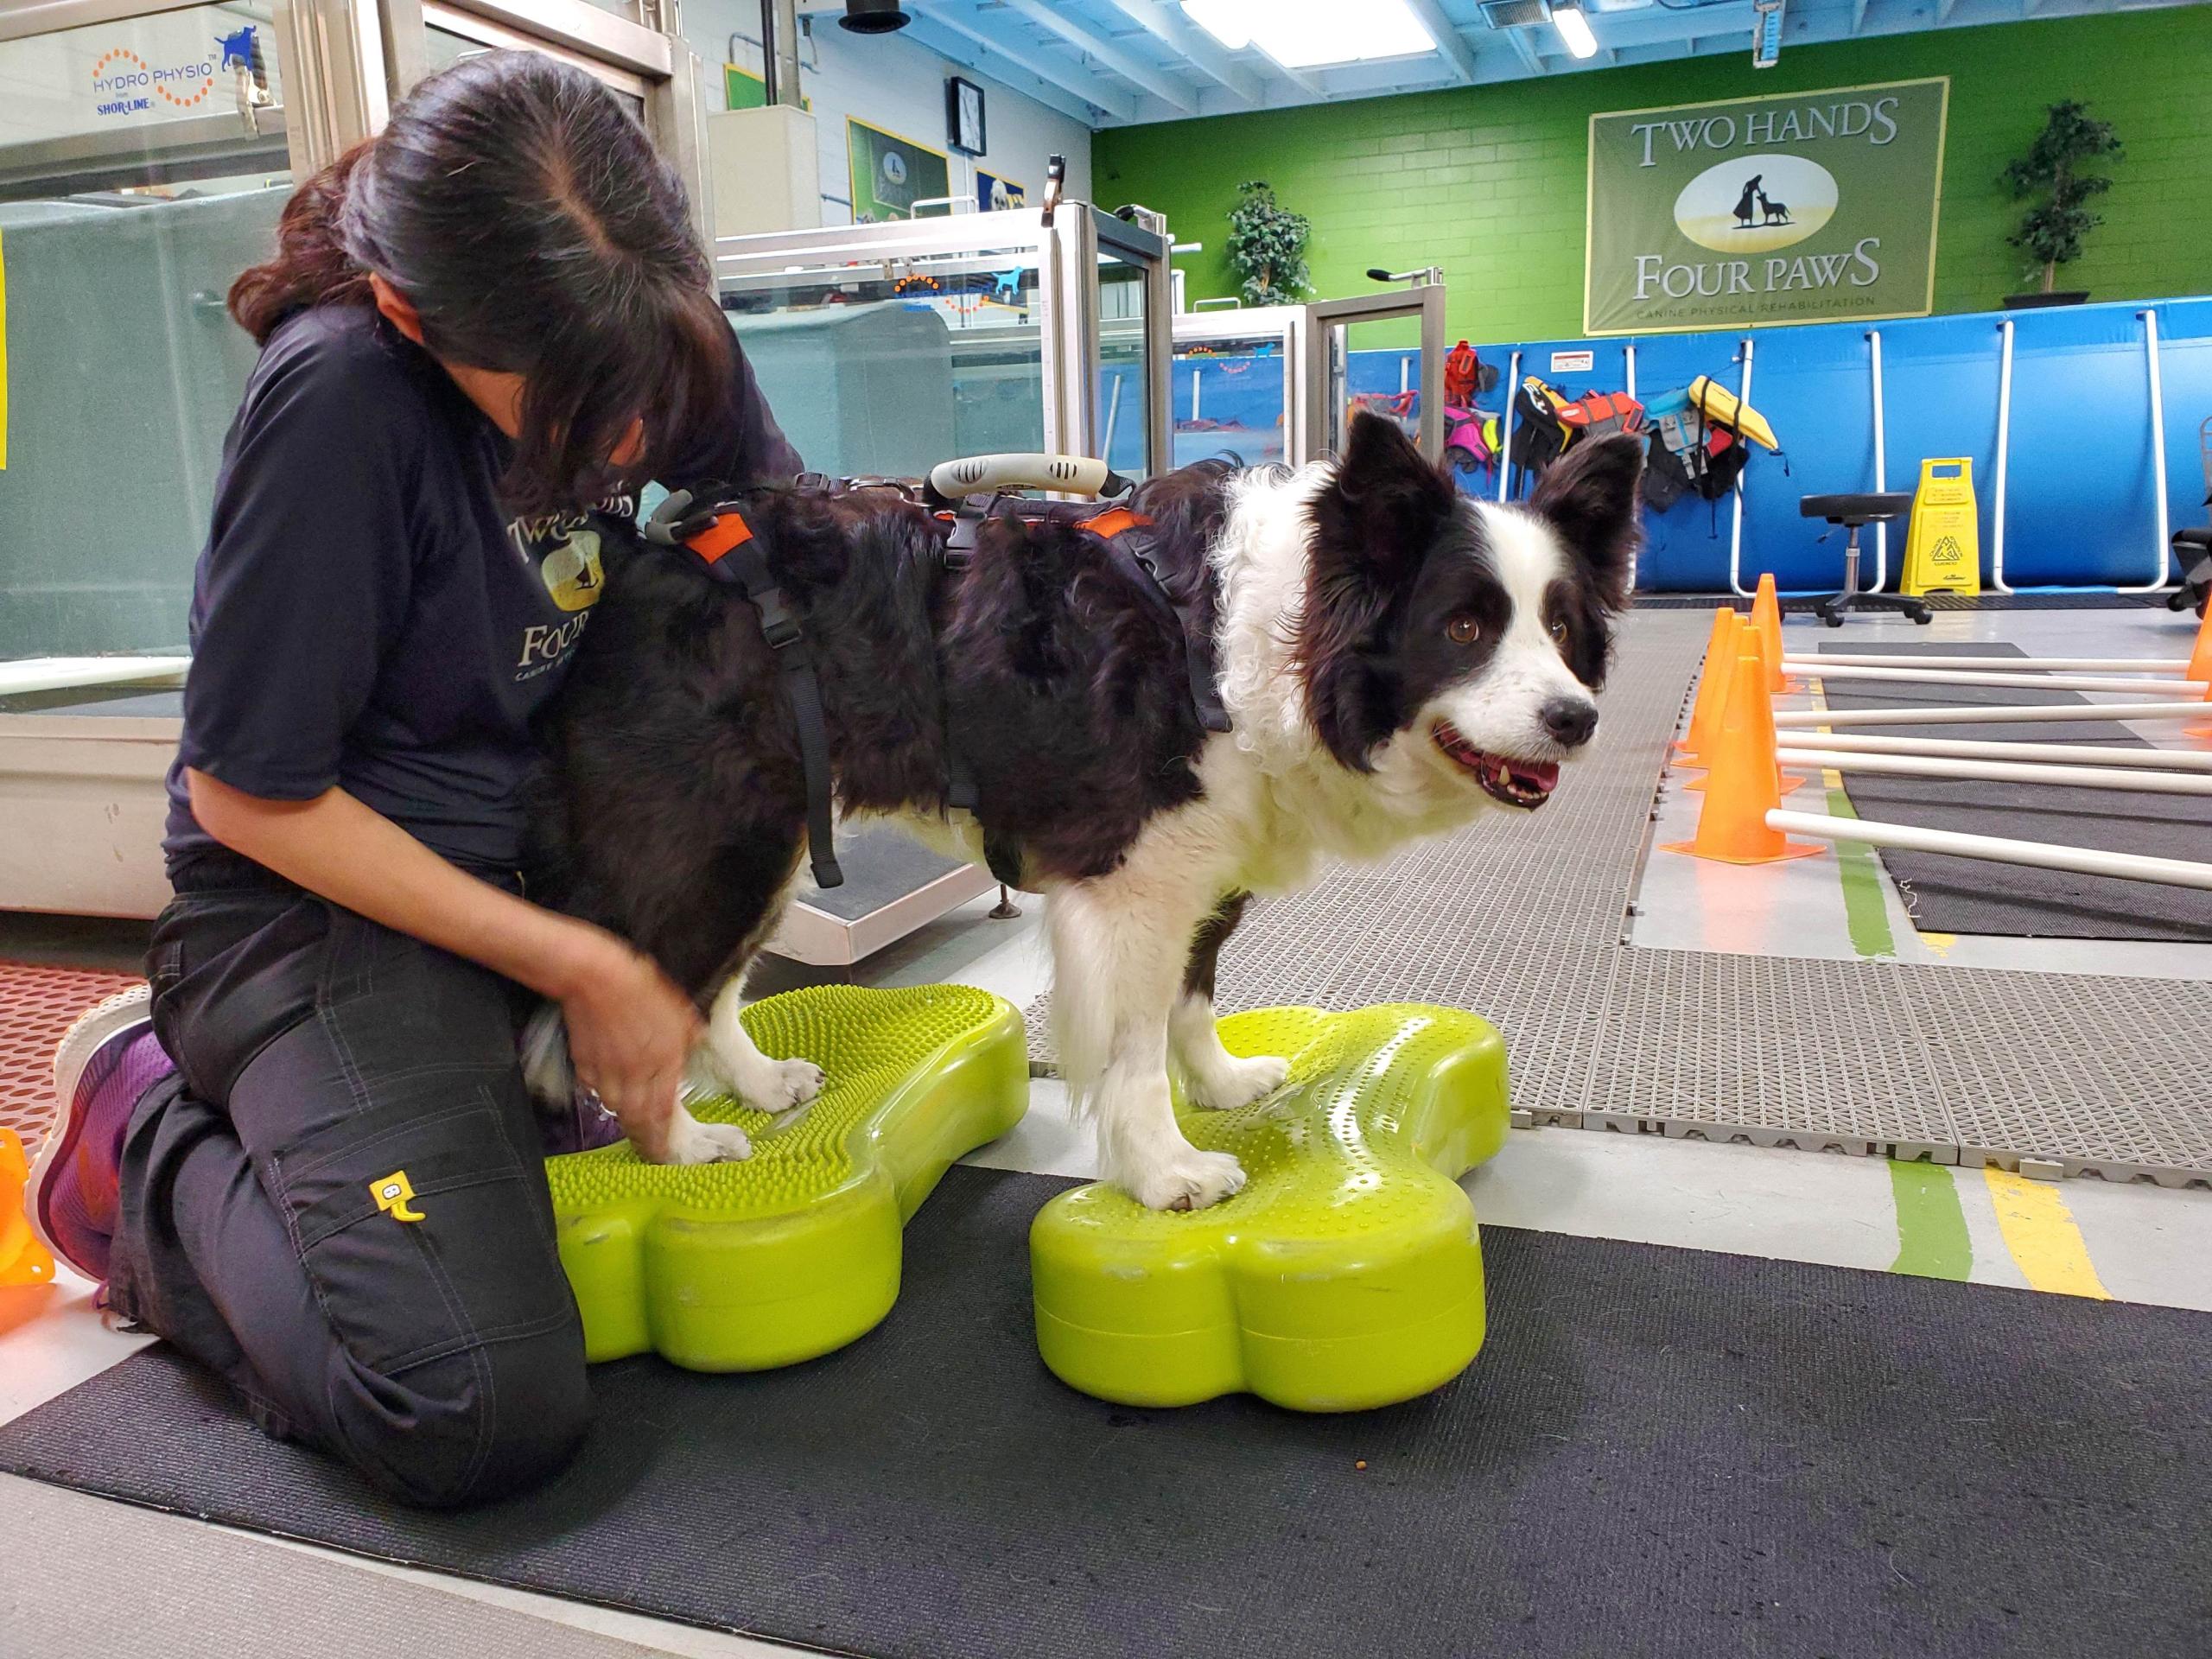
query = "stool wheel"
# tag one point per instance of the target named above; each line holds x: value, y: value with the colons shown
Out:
x: 1831, y: 618
x: 1920, y: 613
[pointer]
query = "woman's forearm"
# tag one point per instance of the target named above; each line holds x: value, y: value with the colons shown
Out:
x: 347, y: 852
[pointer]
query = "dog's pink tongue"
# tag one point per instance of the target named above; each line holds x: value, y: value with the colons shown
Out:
x: 1545, y: 777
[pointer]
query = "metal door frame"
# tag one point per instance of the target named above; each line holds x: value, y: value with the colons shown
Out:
x: 1324, y: 373
x: 1287, y: 323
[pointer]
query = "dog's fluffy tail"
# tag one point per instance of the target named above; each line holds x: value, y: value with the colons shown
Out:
x: 546, y: 1069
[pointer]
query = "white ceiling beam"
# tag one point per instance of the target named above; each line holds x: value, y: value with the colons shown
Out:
x: 1858, y: 14
x: 1072, y: 77
x: 1137, y: 74
x: 1449, y: 41
x: 1526, y: 47
x: 1206, y: 54
x: 966, y: 55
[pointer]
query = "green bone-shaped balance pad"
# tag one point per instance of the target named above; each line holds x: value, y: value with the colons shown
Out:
x: 795, y: 1251
x: 1346, y: 1275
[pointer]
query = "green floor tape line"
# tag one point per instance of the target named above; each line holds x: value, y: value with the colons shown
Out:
x: 1347, y: 1274
x: 794, y: 1252
x: 1865, y: 910
x: 1932, y: 1238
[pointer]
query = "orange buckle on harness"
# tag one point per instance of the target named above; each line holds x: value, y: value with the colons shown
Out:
x: 729, y: 531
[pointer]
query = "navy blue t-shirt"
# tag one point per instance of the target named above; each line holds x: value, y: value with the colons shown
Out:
x: 366, y: 616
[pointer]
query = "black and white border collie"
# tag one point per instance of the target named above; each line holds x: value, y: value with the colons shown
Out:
x: 1395, y: 658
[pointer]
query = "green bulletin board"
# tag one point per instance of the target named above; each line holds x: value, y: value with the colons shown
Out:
x: 891, y: 174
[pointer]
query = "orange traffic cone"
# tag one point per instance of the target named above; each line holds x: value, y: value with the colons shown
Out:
x: 2200, y: 668
x: 23, y: 1260
x: 1766, y: 617
x: 1732, y: 828
x: 1712, y: 687
x: 1743, y: 638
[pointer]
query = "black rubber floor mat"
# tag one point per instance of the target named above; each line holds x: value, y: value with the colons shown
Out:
x: 1948, y: 894
x: 1660, y: 1452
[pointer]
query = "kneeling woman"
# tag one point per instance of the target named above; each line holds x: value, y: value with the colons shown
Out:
x: 318, y: 1171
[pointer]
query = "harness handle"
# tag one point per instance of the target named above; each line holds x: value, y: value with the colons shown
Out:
x: 990, y: 475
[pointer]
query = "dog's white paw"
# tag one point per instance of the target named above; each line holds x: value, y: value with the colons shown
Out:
x: 691, y: 1142
x: 778, y: 1086
x: 1185, y: 1180
x: 1230, y: 1083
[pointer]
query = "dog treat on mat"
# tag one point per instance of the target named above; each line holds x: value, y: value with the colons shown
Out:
x: 794, y: 1252
x: 1346, y: 1275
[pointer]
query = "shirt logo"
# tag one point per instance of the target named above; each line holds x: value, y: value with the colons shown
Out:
x: 572, y: 572
x: 395, y: 1196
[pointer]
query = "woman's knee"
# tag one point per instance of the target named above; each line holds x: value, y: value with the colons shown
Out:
x: 470, y: 1425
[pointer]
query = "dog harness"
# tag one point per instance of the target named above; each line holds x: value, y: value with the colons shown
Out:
x: 723, y: 541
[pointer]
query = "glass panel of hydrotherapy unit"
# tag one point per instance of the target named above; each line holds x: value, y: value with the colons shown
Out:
x: 124, y: 213
x: 891, y: 369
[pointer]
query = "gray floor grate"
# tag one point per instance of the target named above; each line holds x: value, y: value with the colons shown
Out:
x: 1521, y: 921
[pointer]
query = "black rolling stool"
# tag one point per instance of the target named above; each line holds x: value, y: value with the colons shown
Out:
x: 1854, y: 512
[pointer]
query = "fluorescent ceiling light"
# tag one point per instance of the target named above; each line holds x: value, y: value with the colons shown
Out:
x: 1311, y: 34
x: 1575, y: 31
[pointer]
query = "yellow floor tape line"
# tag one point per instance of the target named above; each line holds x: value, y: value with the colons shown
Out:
x: 2039, y: 1230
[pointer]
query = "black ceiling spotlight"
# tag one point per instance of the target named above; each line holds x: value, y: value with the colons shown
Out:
x: 873, y: 16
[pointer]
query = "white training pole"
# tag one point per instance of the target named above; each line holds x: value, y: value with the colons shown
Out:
x: 1505, y: 438
x: 2070, y: 755
x: 1881, y: 468
x: 2001, y: 771
x: 2084, y: 860
x: 2004, y: 452
x: 1968, y: 715
x: 68, y: 673
x: 1628, y: 361
x: 2157, y: 449
x: 2009, y: 664
x: 1736, y: 510
x: 2017, y: 681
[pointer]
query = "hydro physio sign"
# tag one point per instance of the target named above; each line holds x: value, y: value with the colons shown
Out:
x: 1803, y: 207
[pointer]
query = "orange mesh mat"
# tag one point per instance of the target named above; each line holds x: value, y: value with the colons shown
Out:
x: 37, y: 1004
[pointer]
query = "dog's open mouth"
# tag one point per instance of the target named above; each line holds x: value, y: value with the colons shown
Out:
x: 1526, y: 783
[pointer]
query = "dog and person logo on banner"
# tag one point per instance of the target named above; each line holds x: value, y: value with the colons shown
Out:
x: 1814, y: 207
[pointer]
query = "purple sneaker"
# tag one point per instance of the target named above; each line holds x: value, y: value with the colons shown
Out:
x: 585, y: 1126
x: 105, y: 1063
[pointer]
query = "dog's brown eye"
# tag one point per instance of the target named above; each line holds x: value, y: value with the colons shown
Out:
x: 1463, y: 630
x: 1559, y: 633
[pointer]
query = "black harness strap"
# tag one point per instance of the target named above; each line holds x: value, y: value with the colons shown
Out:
x: 724, y: 542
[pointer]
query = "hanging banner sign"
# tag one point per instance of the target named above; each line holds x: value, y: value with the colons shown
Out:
x: 1802, y: 207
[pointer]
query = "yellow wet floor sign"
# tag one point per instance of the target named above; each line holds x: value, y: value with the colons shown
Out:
x: 1944, y: 548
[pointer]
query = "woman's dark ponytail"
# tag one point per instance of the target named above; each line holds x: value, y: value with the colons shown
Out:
x: 312, y: 266
x: 524, y: 215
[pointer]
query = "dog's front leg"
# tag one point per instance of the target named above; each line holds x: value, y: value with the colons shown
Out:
x: 1215, y: 1077
x: 732, y: 1059
x: 1119, y: 947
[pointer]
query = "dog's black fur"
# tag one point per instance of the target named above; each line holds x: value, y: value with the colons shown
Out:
x: 674, y: 808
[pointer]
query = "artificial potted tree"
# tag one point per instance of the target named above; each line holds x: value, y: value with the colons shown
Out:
x: 1267, y: 246
x: 2051, y: 232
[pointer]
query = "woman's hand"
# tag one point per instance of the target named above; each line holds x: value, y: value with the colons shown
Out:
x: 631, y: 1033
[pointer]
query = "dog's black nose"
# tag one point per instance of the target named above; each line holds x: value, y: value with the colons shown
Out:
x: 1569, y: 719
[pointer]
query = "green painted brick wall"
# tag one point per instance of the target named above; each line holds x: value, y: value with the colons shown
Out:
x: 1489, y: 181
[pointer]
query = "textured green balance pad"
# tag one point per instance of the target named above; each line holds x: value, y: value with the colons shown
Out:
x: 1346, y: 1275
x: 795, y: 1251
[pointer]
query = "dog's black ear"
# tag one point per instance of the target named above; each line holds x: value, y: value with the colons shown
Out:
x: 1385, y: 505
x: 1589, y: 496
